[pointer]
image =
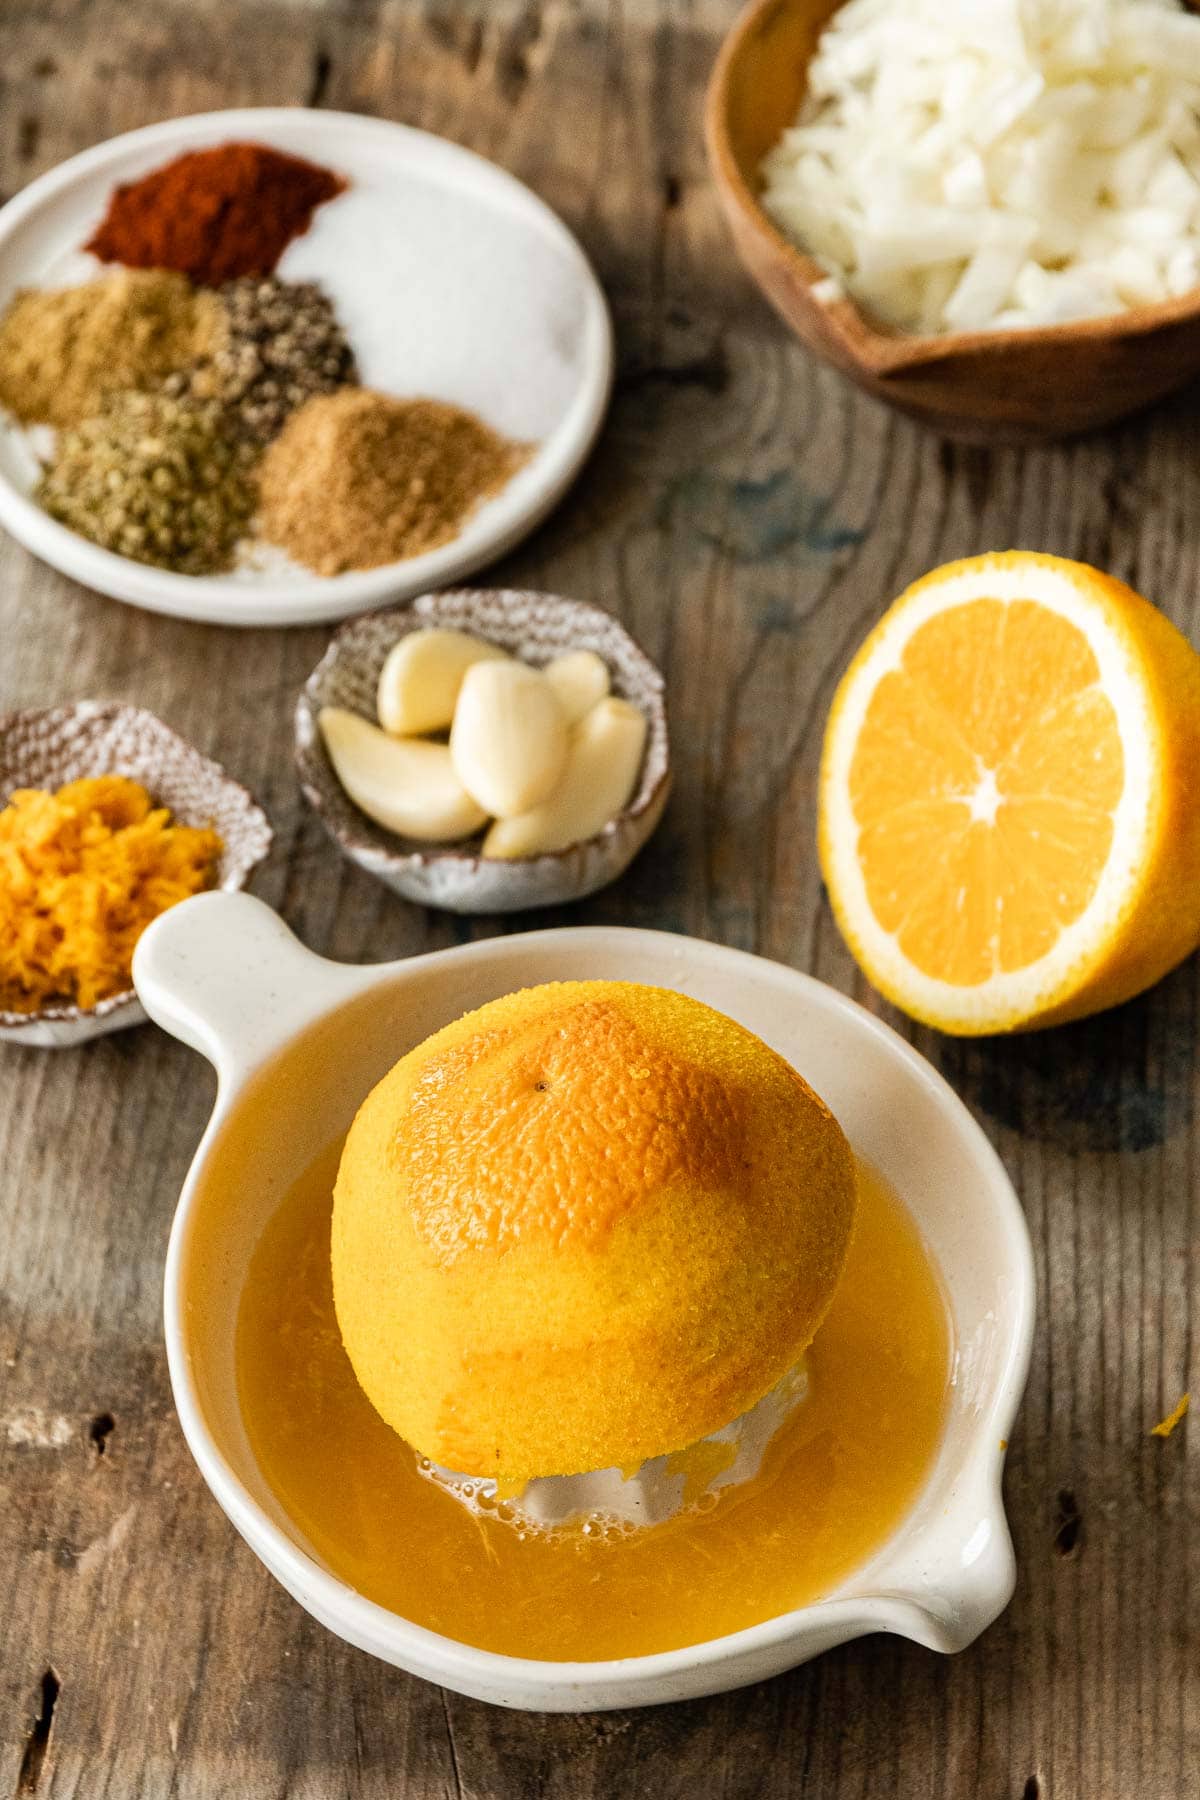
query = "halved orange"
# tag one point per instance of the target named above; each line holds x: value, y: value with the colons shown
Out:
x: 1008, y: 820
x: 588, y: 1224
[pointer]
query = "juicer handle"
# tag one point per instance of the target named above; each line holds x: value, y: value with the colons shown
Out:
x: 223, y: 973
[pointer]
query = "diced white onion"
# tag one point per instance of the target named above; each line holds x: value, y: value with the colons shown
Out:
x: 1001, y: 164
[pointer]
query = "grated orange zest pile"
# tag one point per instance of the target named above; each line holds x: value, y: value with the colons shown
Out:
x: 82, y: 873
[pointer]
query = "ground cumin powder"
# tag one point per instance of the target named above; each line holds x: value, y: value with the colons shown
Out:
x: 359, y: 478
x: 64, y: 350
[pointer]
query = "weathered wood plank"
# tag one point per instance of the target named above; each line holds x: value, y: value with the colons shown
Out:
x: 748, y: 516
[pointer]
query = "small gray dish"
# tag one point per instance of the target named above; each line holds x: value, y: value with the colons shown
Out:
x: 536, y: 628
x: 49, y: 746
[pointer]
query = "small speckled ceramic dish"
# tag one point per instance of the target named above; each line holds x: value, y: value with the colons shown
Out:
x: 535, y: 627
x: 50, y: 746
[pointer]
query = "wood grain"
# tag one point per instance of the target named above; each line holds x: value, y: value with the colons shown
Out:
x: 747, y: 514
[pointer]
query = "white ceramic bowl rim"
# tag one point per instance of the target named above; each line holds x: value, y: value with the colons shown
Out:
x: 223, y: 599
x: 171, y: 980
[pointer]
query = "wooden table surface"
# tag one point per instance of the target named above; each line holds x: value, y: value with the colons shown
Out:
x: 748, y: 515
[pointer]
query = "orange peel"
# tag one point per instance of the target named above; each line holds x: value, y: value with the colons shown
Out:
x: 1007, y: 822
x: 587, y: 1224
x: 1175, y: 1417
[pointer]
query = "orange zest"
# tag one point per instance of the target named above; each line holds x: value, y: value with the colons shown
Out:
x: 82, y: 873
x: 1175, y: 1417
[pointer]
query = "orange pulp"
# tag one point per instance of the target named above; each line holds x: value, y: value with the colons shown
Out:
x: 988, y: 767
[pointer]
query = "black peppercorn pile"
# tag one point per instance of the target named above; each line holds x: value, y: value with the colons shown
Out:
x: 283, y: 344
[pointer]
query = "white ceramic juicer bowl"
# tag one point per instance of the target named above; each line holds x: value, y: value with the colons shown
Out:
x: 298, y: 1041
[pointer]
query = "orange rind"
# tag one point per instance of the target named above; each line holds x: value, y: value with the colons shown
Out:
x: 588, y: 1224
x: 1008, y: 828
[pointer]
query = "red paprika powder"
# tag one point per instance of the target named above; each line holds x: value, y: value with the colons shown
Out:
x: 214, y: 214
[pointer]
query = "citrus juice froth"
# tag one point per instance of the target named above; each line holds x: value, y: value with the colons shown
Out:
x: 836, y: 1481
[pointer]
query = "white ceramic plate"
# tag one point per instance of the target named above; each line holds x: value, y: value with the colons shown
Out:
x: 450, y: 278
x: 298, y: 1042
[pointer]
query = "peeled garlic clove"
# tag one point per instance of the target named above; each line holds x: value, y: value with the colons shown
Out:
x: 509, y: 737
x: 403, y: 784
x: 419, y: 682
x: 602, y: 770
x: 579, y: 679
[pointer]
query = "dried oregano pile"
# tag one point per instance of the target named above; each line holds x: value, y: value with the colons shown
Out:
x: 192, y: 381
x: 156, y: 479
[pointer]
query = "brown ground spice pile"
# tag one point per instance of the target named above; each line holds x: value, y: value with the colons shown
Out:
x: 359, y: 478
x: 63, y: 351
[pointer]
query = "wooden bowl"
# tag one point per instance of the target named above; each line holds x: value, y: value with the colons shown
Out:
x: 981, y: 387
